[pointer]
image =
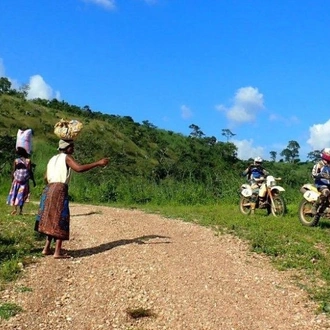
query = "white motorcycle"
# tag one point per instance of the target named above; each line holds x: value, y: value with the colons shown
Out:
x: 273, y: 202
x: 311, y: 194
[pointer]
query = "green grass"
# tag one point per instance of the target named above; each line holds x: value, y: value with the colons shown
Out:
x: 23, y: 289
x: 19, y: 244
x: 7, y: 310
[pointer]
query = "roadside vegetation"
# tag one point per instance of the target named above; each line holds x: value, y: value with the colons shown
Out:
x: 195, y: 178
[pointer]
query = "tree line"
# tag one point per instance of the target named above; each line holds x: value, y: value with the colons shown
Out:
x: 140, y: 152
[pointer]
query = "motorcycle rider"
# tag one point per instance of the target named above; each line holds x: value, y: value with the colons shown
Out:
x: 321, y: 175
x: 256, y: 176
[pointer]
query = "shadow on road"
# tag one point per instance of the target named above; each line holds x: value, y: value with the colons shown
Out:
x: 80, y: 253
x: 84, y: 214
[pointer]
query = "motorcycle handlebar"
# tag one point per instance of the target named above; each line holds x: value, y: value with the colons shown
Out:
x: 264, y: 179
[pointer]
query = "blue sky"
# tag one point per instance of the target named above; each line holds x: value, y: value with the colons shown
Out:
x: 259, y: 68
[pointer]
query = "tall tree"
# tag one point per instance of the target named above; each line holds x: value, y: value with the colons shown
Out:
x: 314, y: 155
x: 291, y: 152
x: 227, y: 133
x: 286, y: 154
x: 24, y: 90
x: 294, y: 147
x: 273, y: 155
x: 87, y: 109
x: 5, y: 85
x: 196, y: 131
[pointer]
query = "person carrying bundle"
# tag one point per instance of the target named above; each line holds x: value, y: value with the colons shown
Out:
x: 20, y: 188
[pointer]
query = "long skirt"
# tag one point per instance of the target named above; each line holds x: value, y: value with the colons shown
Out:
x: 53, y: 216
x: 18, y: 193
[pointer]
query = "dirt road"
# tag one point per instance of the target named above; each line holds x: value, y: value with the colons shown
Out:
x: 175, y: 274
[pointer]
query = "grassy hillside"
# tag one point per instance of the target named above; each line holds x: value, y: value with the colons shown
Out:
x: 146, y: 163
x: 17, y: 113
x: 139, y: 153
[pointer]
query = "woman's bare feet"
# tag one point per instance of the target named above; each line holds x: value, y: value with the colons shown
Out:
x: 62, y: 256
x: 46, y: 252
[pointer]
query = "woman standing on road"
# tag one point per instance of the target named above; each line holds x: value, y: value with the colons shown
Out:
x: 53, y: 217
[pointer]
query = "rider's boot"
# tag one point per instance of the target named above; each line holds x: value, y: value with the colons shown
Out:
x: 315, y: 207
x: 262, y: 202
x: 319, y: 205
x: 252, y: 208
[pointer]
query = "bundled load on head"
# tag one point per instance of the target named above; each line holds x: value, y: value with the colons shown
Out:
x: 68, y: 129
x: 24, y: 139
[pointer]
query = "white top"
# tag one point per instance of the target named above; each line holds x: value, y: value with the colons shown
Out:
x: 57, y: 171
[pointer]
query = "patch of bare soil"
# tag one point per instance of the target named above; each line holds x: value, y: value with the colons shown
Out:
x: 137, y: 271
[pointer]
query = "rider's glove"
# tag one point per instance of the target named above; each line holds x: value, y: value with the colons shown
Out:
x: 325, y: 175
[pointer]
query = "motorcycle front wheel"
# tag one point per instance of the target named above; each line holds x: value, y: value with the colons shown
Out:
x: 244, y: 205
x: 305, y: 214
x: 278, y: 209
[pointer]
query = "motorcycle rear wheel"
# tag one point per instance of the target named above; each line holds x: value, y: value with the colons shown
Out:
x: 305, y: 214
x: 279, y: 209
x: 244, y: 205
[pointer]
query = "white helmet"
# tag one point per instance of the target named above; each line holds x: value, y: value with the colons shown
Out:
x: 258, y: 161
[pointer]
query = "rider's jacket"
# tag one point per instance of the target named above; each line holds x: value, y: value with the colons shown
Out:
x: 254, y: 172
x: 320, y: 170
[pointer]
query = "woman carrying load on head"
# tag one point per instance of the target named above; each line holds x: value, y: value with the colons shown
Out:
x: 53, y: 217
x: 22, y: 173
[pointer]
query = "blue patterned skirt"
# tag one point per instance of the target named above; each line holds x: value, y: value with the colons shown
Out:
x: 18, y: 193
x: 53, y: 216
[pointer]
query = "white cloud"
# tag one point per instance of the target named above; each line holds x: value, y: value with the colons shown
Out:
x: 249, y: 96
x: 107, y: 4
x: 240, y: 114
x: 57, y: 95
x: 40, y: 89
x: 319, y: 136
x: 289, y: 121
x: 186, y: 113
x: 246, y: 150
x: 246, y: 103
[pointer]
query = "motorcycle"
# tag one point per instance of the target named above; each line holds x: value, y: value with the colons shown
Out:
x: 273, y: 201
x: 310, y: 196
